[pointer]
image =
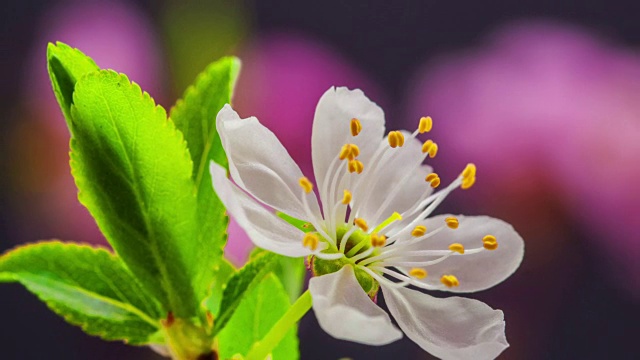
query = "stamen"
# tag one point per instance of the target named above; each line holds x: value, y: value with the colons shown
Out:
x: 433, y: 150
x: 418, y: 273
x: 396, y: 139
x: 310, y: 240
x: 378, y: 240
x: 452, y: 222
x: 345, y: 151
x: 349, y: 151
x: 468, y: 176
x: 356, y: 166
x: 449, y: 281
x: 355, y: 151
x: 419, y: 230
x: 457, y: 247
x: 489, y: 242
x: 356, y: 127
x: 426, y: 123
x: 433, y: 179
x: 469, y: 171
x: 393, y: 218
x: 361, y: 223
x: 468, y: 182
x: 305, y: 184
x: 346, y: 198
x: 430, y: 147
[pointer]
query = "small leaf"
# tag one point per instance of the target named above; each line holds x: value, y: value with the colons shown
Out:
x: 66, y: 66
x: 240, y: 284
x: 257, y: 313
x: 223, y: 271
x: 290, y: 271
x: 89, y: 287
x: 195, y: 117
x: 133, y: 172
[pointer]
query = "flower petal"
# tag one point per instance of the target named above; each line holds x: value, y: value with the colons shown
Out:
x: 346, y: 312
x: 396, y: 183
x: 261, y: 166
x: 263, y: 227
x: 477, y: 271
x: 450, y: 328
x: 331, y: 128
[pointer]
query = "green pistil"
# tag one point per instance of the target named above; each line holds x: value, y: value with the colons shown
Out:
x: 394, y: 217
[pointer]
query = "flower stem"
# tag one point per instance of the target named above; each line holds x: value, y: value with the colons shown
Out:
x: 261, y: 349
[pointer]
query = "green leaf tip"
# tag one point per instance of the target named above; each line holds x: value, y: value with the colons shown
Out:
x: 66, y: 65
x: 89, y: 287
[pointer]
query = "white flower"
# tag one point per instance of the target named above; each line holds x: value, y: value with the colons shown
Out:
x: 372, y: 229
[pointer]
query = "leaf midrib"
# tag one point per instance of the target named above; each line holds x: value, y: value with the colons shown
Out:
x: 155, y: 253
x: 64, y: 285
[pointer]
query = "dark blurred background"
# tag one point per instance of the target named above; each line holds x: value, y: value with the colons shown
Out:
x: 544, y: 96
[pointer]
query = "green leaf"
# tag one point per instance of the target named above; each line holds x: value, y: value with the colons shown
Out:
x: 89, y: 287
x: 223, y: 271
x: 133, y: 172
x: 195, y: 117
x: 257, y: 314
x: 290, y: 271
x: 66, y: 66
x: 240, y: 284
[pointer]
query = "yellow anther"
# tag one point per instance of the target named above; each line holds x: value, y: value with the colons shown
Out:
x: 355, y: 166
x: 418, y: 273
x: 419, y: 231
x: 349, y: 151
x: 459, y: 248
x: 468, y: 182
x: 378, y: 240
x: 469, y: 171
x: 489, y: 242
x: 449, y: 280
x: 433, y: 179
x: 452, y: 222
x: 361, y: 223
x: 345, y: 151
x: 356, y: 127
x: 355, y: 151
x: 426, y: 123
x: 305, y: 184
x: 396, y: 139
x: 310, y: 240
x: 346, y: 198
x: 428, y: 147
x: 433, y: 150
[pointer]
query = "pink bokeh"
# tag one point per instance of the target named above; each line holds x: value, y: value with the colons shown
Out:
x: 549, y: 106
x: 117, y: 36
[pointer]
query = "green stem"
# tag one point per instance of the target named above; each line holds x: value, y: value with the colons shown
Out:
x: 261, y: 349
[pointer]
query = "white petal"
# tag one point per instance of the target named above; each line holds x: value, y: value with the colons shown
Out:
x: 397, y: 183
x: 474, y: 271
x: 346, y: 312
x: 450, y: 328
x: 260, y: 165
x: 263, y: 227
x: 331, y: 128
